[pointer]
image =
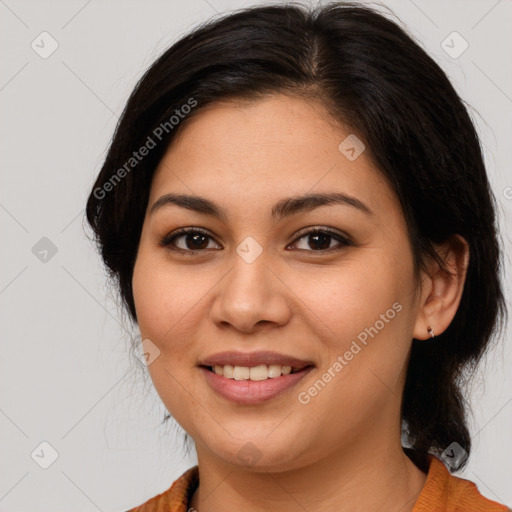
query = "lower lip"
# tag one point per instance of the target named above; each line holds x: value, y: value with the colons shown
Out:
x: 252, y: 391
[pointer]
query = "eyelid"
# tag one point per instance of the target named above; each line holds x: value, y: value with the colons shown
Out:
x: 321, y: 229
x: 343, y: 238
x: 166, y: 240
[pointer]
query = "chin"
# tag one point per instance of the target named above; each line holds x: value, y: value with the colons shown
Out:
x: 260, y: 456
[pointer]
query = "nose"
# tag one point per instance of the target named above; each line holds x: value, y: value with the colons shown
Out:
x: 251, y: 295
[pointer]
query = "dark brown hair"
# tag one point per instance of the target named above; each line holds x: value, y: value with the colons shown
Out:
x: 373, y: 77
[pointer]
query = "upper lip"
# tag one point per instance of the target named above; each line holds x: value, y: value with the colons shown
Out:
x: 234, y: 358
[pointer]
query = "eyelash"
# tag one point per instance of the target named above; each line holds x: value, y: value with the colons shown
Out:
x: 168, y: 240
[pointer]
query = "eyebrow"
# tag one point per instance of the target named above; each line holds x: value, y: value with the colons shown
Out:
x: 283, y: 208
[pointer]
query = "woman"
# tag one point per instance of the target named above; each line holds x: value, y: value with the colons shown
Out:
x: 297, y: 214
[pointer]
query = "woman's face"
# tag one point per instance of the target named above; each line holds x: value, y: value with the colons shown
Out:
x: 255, y: 281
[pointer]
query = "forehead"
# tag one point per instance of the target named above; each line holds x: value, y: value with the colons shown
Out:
x: 262, y: 150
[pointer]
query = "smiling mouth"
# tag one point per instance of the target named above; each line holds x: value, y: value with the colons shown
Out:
x: 254, y: 373
x: 254, y: 385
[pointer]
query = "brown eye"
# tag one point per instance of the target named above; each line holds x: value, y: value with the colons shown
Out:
x: 192, y: 240
x: 320, y: 240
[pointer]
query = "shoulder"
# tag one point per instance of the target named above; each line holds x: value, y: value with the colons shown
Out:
x: 174, y: 499
x: 444, y: 491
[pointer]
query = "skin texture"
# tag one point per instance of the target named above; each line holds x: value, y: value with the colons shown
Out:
x: 342, y: 450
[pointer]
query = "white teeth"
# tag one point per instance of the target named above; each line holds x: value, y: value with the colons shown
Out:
x: 241, y: 372
x: 260, y: 372
x: 218, y: 369
x: 227, y: 372
x: 286, y: 370
x: 274, y: 370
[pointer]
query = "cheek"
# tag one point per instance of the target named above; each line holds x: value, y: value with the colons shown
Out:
x: 166, y: 300
x: 369, y: 314
x: 165, y: 312
x: 353, y: 299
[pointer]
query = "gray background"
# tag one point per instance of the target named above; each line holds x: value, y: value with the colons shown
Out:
x: 66, y: 377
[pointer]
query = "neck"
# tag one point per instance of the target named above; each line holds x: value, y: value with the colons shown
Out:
x: 363, y: 479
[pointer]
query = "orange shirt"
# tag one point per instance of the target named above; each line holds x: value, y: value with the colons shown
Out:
x: 442, y: 492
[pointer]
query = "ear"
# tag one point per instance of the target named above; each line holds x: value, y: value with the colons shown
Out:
x: 441, y: 292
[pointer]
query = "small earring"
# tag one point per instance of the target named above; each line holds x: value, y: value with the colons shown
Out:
x: 431, y: 331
